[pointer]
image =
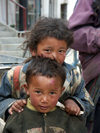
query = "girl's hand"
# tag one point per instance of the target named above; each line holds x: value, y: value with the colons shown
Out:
x: 71, y: 107
x: 17, y: 106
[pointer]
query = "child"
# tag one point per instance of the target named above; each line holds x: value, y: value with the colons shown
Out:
x: 50, y: 38
x: 45, y: 79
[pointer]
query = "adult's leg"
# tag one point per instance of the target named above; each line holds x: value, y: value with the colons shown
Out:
x: 96, y: 128
x: 93, y: 120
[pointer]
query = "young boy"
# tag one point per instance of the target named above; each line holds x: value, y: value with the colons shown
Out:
x: 45, y: 79
x: 50, y: 38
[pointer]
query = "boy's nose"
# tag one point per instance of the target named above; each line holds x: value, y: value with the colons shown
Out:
x: 44, y: 99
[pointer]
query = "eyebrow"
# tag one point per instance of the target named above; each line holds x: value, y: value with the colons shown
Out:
x: 36, y: 88
x: 55, y: 89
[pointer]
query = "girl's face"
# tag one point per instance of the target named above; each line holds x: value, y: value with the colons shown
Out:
x: 52, y: 48
x: 44, y: 92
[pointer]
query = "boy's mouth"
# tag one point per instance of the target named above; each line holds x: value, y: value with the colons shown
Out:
x: 43, y: 107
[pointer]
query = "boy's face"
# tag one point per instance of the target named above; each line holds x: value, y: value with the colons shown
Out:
x: 52, y: 48
x: 44, y: 92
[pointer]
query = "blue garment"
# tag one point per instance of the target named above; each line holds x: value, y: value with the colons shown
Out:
x: 74, y: 89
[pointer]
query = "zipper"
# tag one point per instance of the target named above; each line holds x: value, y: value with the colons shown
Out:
x: 44, y: 122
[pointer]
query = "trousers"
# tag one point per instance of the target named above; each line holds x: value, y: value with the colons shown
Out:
x: 93, y: 120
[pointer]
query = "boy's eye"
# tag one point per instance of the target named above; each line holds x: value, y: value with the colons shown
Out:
x: 52, y: 93
x: 38, y: 92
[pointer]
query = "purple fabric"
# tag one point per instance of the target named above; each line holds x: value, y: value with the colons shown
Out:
x: 86, y: 39
x: 82, y: 14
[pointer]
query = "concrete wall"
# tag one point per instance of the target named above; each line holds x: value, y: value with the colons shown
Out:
x: 3, y: 11
x: 7, y: 12
x: 44, y: 8
x: 56, y: 7
x: 51, y: 8
x: 71, y: 5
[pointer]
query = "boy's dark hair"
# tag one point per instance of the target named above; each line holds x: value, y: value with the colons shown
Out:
x: 45, y: 67
x: 48, y: 27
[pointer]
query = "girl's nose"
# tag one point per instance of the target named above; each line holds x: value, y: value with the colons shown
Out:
x: 54, y: 56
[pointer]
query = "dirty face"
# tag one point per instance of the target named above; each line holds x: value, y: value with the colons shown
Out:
x: 44, y: 92
x: 52, y: 48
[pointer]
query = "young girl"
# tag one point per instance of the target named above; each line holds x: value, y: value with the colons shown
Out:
x: 50, y: 38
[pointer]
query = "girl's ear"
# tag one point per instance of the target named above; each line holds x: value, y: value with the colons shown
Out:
x: 33, y: 52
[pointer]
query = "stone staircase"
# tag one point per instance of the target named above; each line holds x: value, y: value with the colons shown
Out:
x: 10, y: 42
x: 11, y: 46
x: 10, y: 51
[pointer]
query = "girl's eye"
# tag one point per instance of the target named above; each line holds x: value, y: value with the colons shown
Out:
x: 47, y: 50
x: 62, y: 51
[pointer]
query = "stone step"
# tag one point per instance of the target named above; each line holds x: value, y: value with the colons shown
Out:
x: 10, y: 59
x: 11, y: 40
x: 7, y: 31
x: 10, y: 47
x: 2, y: 28
x: 7, y: 34
x: 18, y: 53
x: 12, y: 53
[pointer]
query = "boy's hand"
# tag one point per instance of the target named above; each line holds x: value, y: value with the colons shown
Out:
x: 71, y: 107
x: 17, y: 106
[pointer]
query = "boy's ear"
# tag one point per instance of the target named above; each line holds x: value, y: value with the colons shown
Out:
x: 26, y: 89
x: 33, y: 52
x: 63, y: 88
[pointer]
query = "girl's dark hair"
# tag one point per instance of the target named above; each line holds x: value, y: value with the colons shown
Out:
x: 45, y: 67
x: 48, y: 27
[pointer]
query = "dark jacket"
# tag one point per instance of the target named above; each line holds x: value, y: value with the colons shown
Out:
x: 57, y: 121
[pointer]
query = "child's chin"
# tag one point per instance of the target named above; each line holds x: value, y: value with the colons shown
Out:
x: 44, y: 111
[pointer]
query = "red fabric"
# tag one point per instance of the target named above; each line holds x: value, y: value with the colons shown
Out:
x: 16, y: 78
